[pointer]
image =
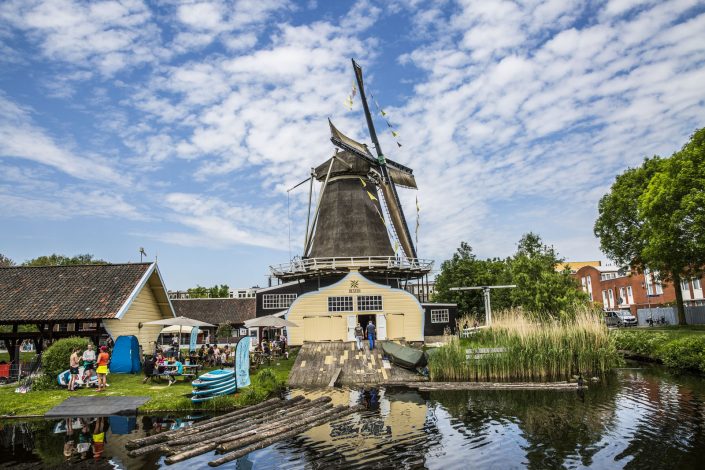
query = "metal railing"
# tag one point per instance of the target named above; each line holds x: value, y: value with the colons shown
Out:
x: 390, y: 263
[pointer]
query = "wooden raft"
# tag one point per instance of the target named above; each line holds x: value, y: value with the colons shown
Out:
x: 442, y: 386
x: 243, y: 431
x: 318, y: 364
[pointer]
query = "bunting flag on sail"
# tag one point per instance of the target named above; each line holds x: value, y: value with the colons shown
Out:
x: 364, y: 185
x: 349, y: 101
x: 371, y: 196
x: 383, y: 113
x: 396, y: 247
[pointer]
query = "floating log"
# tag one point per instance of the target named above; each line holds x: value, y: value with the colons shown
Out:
x: 207, y: 443
x: 306, y: 424
x: 250, y: 410
x: 229, y: 427
x: 440, y: 386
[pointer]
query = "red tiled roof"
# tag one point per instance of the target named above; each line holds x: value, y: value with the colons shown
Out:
x: 216, y: 311
x: 65, y: 293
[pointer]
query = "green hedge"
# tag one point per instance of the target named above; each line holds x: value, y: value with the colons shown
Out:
x: 687, y: 353
x: 56, y: 358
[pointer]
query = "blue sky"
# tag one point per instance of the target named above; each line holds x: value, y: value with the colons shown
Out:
x: 178, y: 126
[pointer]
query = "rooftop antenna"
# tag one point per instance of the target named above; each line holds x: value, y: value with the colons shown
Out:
x: 142, y: 253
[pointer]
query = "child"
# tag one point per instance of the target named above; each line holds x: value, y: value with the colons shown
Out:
x: 102, y: 369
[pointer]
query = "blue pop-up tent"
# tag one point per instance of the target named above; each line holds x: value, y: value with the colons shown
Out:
x: 126, y: 356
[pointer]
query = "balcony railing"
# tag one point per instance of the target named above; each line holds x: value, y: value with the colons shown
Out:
x: 374, y: 263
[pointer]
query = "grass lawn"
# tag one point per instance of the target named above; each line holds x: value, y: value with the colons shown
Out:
x: 676, y: 331
x: 162, y: 397
x: 24, y: 356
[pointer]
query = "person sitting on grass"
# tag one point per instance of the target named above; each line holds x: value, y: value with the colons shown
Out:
x: 102, y: 369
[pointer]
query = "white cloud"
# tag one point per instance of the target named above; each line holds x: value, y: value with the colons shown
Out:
x: 20, y: 138
x: 107, y: 35
x: 218, y: 223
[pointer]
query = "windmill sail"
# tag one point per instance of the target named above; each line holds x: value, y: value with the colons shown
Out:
x: 388, y: 185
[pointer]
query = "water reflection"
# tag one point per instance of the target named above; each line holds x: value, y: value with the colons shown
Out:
x: 639, y: 418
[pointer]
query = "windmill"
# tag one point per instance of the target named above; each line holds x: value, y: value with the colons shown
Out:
x: 358, y: 191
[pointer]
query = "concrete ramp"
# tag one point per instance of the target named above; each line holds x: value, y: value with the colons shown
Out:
x: 338, y: 363
x: 93, y: 406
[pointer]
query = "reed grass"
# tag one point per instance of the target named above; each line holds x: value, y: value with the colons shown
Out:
x: 537, y: 349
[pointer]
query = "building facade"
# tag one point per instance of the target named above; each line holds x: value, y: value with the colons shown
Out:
x: 616, y: 288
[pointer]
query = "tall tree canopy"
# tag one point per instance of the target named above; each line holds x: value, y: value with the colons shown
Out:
x: 61, y: 260
x: 540, y: 288
x: 464, y: 269
x: 654, y: 216
x: 5, y: 262
x: 217, y: 291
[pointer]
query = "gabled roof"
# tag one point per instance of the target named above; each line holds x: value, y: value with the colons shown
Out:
x: 216, y: 311
x: 67, y: 293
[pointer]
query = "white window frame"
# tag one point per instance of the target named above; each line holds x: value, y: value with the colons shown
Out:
x: 277, y: 301
x: 610, y: 297
x: 623, y: 296
x: 589, y: 285
x: 630, y: 295
x: 340, y: 303
x: 440, y: 315
x: 604, y: 299
x: 369, y: 303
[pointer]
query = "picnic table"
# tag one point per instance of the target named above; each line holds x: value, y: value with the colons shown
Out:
x: 169, y: 371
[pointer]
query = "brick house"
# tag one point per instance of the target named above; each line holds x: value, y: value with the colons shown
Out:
x: 616, y: 288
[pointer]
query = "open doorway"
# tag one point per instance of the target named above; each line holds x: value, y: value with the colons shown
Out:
x: 364, y: 320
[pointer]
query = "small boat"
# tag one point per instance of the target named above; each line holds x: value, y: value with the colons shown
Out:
x: 215, y: 388
x: 404, y: 356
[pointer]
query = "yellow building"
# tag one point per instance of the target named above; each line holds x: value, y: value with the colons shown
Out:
x: 331, y: 313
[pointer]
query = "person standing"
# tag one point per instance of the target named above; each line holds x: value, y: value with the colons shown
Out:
x: 74, y: 362
x: 102, y: 369
x: 359, y: 334
x: 371, y: 334
x: 88, y: 364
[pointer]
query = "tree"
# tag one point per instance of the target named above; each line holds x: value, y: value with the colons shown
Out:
x: 215, y: 292
x: 61, y: 260
x: 654, y: 216
x: 463, y: 270
x: 541, y: 289
x: 5, y: 262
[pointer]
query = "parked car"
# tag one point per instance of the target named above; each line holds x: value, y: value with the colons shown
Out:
x: 619, y: 318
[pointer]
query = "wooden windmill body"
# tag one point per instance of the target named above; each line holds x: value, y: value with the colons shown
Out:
x: 358, y: 222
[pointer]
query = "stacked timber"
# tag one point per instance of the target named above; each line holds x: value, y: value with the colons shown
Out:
x: 243, y: 431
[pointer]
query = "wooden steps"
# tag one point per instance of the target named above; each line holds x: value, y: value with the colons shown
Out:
x: 337, y: 362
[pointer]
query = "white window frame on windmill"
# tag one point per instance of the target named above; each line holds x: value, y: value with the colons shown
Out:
x: 340, y: 303
x: 369, y: 303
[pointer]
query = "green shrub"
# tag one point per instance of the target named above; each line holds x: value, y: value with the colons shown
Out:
x: 267, y: 378
x: 55, y: 359
x: 643, y: 343
x: 685, y: 353
x: 44, y: 382
x: 253, y: 395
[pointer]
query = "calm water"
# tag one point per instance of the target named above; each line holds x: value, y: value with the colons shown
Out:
x: 640, y: 418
